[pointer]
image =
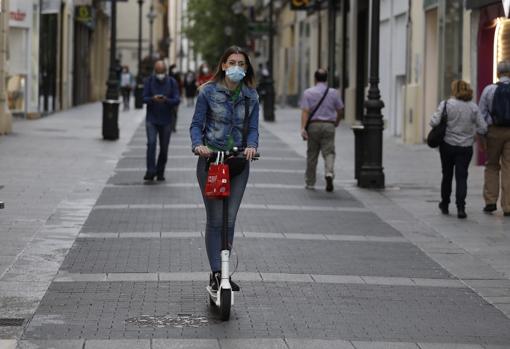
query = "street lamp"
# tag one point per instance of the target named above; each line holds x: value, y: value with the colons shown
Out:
x: 139, y: 77
x: 371, y: 173
x: 332, y: 42
x: 111, y: 103
x: 269, y: 84
x: 151, y: 16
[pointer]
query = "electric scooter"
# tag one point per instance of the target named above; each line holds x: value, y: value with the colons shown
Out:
x: 223, y: 298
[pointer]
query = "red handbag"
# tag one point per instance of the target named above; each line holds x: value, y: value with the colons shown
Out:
x: 218, y: 179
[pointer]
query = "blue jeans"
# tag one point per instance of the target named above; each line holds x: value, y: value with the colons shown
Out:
x: 214, y: 212
x: 153, y: 131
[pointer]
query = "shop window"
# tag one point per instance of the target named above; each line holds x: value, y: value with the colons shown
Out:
x: 18, y: 69
x: 501, y: 44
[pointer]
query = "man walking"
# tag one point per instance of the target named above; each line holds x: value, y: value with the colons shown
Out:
x: 126, y: 84
x: 322, y: 109
x: 495, y: 108
x: 161, y: 94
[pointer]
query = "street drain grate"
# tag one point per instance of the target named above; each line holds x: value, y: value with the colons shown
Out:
x: 15, y: 322
x: 178, y: 321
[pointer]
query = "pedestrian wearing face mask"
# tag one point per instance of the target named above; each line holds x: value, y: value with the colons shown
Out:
x: 204, y: 75
x: 161, y: 94
x: 218, y: 124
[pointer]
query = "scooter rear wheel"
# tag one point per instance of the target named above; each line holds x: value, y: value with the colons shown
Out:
x: 225, y: 304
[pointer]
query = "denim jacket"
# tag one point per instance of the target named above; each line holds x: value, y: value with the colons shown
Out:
x: 217, y: 117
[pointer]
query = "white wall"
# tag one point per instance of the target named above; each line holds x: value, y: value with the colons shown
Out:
x: 127, y: 33
x: 392, y: 58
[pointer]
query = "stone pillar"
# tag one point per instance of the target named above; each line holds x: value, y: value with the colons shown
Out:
x: 5, y: 115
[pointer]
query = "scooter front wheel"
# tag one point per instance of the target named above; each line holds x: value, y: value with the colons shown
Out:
x: 225, y: 304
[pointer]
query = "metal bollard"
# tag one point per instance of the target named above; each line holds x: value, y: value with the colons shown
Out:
x: 359, y: 131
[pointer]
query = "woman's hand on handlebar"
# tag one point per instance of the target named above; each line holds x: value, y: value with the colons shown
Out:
x: 202, y: 150
x: 249, y: 153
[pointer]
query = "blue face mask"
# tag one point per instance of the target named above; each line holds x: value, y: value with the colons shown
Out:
x: 235, y: 74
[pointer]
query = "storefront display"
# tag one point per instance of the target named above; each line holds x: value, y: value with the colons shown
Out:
x: 501, y: 44
x: 20, y: 23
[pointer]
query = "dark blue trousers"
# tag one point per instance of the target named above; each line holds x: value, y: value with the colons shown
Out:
x: 154, y: 132
x: 455, y: 159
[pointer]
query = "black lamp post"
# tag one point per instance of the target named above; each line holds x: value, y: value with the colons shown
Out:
x: 371, y: 174
x: 139, y: 77
x: 151, y: 16
x: 269, y: 83
x: 331, y: 42
x: 111, y: 102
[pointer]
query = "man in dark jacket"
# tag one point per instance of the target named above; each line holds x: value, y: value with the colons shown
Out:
x: 161, y: 94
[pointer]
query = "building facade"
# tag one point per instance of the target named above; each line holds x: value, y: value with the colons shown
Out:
x: 5, y: 115
x: 424, y: 46
x: 57, y: 54
x: 23, y: 58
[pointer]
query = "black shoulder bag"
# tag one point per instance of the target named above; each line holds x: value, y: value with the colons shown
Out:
x: 236, y: 165
x: 436, y: 135
x: 316, y: 108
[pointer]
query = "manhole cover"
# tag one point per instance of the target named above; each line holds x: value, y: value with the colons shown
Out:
x: 178, y: 321
x: 11, y: 322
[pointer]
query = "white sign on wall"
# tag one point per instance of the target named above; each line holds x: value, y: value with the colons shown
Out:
x: 50, y: 6
x: 20, y: 14
x: 82, y: 3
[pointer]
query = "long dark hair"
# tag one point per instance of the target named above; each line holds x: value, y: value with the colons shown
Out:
x: 219, y: 74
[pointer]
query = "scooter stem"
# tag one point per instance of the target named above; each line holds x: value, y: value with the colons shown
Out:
x: 225, y: 258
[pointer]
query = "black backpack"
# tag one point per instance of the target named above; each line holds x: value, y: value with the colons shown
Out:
x: 501, y: 105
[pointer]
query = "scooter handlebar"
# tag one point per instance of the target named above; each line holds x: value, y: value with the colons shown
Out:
x: 234, y: 153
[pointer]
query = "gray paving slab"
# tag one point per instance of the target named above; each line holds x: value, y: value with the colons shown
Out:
x: 255, y: 343
x: 131, y: 277
x: 185, y: 344
x: 118, y: 344
x: 272, y: 310
x: 349, y: 223
x: 140, y: 255
x: 449, y: 346
x: 136, y: 177
x: 49, y: 344
x: 257, y: 276
x: 300, y: 343
x: 8, y: 343
x: 155, y: 194
x: 293, y: 163
x: 188, y: 276
x: 387, y: 345
x: 340, y: 279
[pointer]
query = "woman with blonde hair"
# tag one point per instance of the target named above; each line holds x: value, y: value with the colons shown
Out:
x: 463, y: 121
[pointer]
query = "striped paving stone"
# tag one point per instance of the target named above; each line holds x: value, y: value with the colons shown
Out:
x: 188, y: 160
x: 158, y: 194
x: 95, y: 310
x: 278, y: 221
x: 189, y: 176
x: 276, y: 151
x: 141, y: 255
